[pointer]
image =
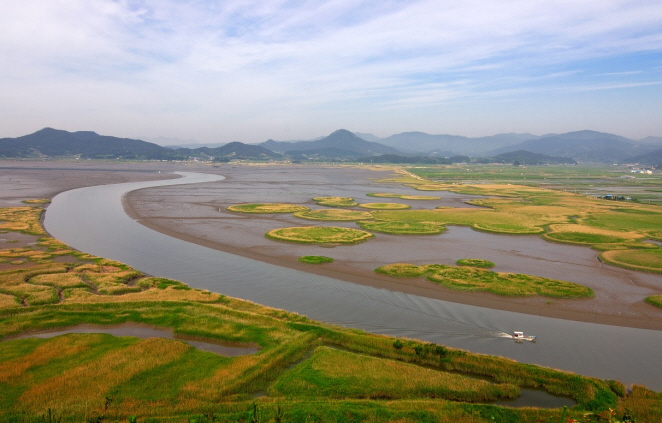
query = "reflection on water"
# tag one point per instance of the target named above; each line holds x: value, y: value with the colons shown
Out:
x: 143, y: 332
x: 93, y: 220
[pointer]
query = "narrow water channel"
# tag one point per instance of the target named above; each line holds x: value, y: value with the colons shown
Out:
x: 141, y: 331
x: 93, y: 220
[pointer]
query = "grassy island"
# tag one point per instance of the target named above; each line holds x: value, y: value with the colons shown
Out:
x: 319, y: 235
x: 655, y: 300
x: 473, y: 262
x: 475, y: 279
x: 301, y: 370
x: 404, y: 228
x: 385, y: 206
x: 267, y: 208
x: 335, y: 201
x: 402, y: 196
x: 315, y: 259
x: 646, y: 260
x: 334, y: 215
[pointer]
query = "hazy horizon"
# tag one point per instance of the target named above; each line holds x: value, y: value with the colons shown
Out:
x: 250, y: 71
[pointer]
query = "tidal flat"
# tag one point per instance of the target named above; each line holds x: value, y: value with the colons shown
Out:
x: 199, y: 214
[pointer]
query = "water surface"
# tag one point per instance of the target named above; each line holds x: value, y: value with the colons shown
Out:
x: 93, y: 220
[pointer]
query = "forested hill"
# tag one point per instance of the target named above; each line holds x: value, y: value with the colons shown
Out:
x: 50, y: 142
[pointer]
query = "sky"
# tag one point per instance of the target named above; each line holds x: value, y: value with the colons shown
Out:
x: 250, y: 70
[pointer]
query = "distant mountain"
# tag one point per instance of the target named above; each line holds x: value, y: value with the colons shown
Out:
x: 86, y: 144
x: 172, y: 141
x: 528, y: 158
x: 193, y: 146
x: 230, y: 151
x: 50, y: 142
x: 329, y: 153
x: 367, y: 136
x: 399, y: 159
x: 653, y: 158
x: 453, y: 144
x: 652, y: 140
x: 587, y: 146
x: 341, y: 144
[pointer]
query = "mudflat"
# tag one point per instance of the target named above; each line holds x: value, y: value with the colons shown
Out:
x: 198, y: 213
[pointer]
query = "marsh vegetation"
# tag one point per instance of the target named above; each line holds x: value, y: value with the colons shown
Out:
x: 315, y: 259
x: 476, y: 279
x: 267, y: 208
x: 320, y: 235
x: 304, y: 370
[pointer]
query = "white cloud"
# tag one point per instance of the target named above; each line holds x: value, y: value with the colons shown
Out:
x: 181, y: 61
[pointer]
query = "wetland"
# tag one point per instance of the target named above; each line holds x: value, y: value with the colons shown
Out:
x: 278, y: 375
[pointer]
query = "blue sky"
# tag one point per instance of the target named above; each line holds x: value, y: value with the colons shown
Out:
x: 242, y: 70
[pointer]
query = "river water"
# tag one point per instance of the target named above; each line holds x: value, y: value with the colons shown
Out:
x: 93, y: 220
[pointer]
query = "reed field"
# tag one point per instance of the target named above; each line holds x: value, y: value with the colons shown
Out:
x: 315, y: 259
x: 267, y: 208
x: 557, y: 215
x: 648, y: 260
x: 301, y: 370
x: 402, y: 196
x: 473, y: 262
x: 385, y: 206
x: 547, y: 200
x: 655, y: 300
x: 334, y: 215
x: 403, y: 228
x: 319, y: 235
x: 335, y: 201
x: 475, y: 279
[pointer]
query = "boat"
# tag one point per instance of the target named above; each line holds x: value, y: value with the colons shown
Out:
x: 519, y: 337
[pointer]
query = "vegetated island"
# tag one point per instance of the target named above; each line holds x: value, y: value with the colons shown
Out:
x: 619, y: 230
x: 307, y: 369
x: 476, y: 279
x: 319, y: 235
x: 267, y: 208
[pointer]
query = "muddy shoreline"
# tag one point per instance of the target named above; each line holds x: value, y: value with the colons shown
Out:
x: 424, y: 288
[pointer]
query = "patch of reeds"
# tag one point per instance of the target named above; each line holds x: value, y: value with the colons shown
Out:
x: 385, y: 206
x: 649, y: 260
x: 475, y: 279
x: 315, y: 259
x: 474, y: 262
x: 403, y: 228
x: 655, y: 300
x: 402, y: 196
x: 341, y: 374
x: 335, y: 201
x: 319, y: 235
x: 334, y: 215
x: 267, y: 208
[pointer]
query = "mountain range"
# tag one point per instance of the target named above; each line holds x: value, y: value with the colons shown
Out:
x: 50, y: 142
x: 343, y: 145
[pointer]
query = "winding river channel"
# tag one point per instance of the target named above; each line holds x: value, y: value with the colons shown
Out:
x: 93, y: 220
